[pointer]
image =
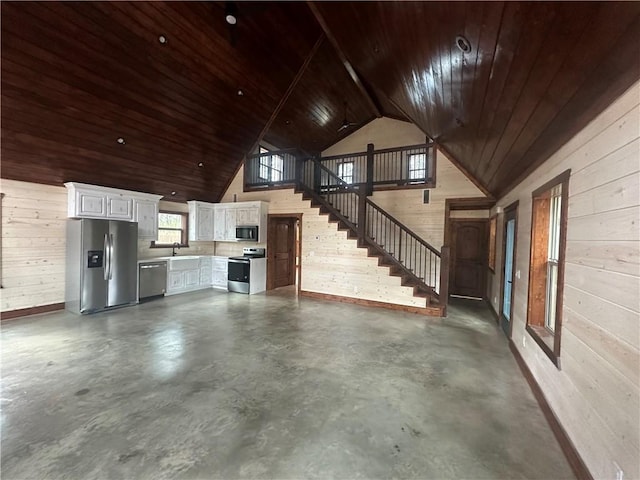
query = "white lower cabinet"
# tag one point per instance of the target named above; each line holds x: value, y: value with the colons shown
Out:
x: 205, y: 271
x: 188, y: 273
x: 220, y: 272
x: 175, y: 281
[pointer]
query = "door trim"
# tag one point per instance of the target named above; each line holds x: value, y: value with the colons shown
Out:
x: 298, y: 253
x: 511, y: 209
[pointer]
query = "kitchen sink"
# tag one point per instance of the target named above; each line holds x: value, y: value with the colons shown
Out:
x: 187, y: 262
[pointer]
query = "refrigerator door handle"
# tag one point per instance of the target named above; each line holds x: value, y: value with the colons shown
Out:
x: 110, y: 256
x: 105, y: 267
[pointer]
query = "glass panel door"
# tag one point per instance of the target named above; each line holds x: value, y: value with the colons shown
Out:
x: 508, y: 270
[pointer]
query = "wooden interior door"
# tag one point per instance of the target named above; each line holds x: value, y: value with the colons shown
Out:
x: 468, y: 257
x: 282, y: 252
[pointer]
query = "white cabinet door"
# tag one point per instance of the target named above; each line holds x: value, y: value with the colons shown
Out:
x: 220, y: 272
x: 90, y: 204
x: 230, y: 224
x: 201, y: 221
x: 248, y: 215
x: 220, y: 223
x: 219, y: 279
x: 146, y: 214
x: 120, y: 207
x: 175, y: 281
x: 204, y: 222
x: 205, y: 276
x: 191, y: 278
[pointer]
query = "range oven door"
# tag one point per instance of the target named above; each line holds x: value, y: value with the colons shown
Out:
x: 238, y: 279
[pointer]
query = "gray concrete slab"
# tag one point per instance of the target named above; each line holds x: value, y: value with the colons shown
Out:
x: 217, y: 385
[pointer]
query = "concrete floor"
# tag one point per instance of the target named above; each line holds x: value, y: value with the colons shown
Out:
x: 216, y: 385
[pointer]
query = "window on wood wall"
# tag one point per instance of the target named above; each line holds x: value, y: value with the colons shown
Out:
x: 172, y: 229
x: 493, y: 224
x: 271, y: 167
x: 417, y: 166
x: 345, y: 171
x: 546, y: 267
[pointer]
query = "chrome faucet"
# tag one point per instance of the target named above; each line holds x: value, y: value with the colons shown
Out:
x: 173, y: 248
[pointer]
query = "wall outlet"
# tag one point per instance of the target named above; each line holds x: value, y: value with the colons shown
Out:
x: 524, y: 341
x: 619, y: 472
x: 495, y: 300
x: 518, y: 274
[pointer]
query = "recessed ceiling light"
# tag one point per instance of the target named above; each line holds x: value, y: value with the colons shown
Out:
x: 230, y: 13
x: 287, y: 122
x: 201, y: 164
x: 240, y: 92
x: 463, y: 44
x: 121, y: 141
x: 173, y: 193
x: 162, y: 39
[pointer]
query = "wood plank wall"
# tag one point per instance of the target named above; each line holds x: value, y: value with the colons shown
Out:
x: 596, y: 395
x: 34, y: 240
x: 33, y: 244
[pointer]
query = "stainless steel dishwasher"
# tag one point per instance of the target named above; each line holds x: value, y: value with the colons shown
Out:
x: 152, y: 278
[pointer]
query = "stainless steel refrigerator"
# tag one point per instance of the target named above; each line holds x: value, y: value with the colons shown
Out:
x: 102, y: 268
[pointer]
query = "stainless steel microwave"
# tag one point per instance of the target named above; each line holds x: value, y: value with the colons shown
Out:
x: 247, y: 233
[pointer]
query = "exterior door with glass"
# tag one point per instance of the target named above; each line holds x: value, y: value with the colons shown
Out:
x: 508, y: 267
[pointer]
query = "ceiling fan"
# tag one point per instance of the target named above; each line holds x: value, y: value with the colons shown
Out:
x: 346, y: 123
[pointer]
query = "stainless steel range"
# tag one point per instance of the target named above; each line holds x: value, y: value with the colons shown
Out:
x: 248, y: 273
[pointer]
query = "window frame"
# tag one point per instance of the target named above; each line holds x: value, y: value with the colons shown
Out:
x: 418, y: 180
x: 493, y: 229
x: 184, y: 237
x: 548, y: 340
x: 339, y: 167
x: 268, y: 165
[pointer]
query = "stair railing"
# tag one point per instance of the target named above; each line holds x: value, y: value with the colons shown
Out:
x: 377, y: 228
x: 339, y: 197
x: 419, y: 259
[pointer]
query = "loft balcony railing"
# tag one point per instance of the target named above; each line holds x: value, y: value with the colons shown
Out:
x: 386, y: 168
x: 271, y: 169
x: 398, y: 167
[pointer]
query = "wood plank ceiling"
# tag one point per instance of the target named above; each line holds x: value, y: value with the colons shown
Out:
x: 77, y: 76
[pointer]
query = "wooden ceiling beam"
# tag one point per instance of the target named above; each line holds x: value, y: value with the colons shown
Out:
x: 343, y: 58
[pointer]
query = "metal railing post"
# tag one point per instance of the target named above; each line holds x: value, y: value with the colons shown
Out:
x: 443, y: 294
x: 369, y: 190
x: 362, y: 217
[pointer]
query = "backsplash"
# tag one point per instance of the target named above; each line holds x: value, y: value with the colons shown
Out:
x: 194, y: 248
x: 233, y: 249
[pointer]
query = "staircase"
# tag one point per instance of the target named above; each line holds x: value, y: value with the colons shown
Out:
x: 418, y: 264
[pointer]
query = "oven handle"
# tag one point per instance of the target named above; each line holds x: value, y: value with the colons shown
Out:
x: 238, y: 261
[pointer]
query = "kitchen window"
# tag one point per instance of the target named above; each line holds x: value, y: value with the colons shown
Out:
x: 345, y: 171
x: 271, y: 167
x: 417, y: 166
x: 172, y: 229
x: 546, y: 267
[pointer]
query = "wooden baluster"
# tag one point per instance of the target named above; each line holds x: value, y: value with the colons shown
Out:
x: 362, y: 218
x: 369, y: 190
x: 444, y: 278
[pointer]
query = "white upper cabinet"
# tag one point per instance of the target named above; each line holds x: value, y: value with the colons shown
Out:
x: 92, y: 201
x: 231, y: 215
x: 201, y: 221
x: 145, y: 212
